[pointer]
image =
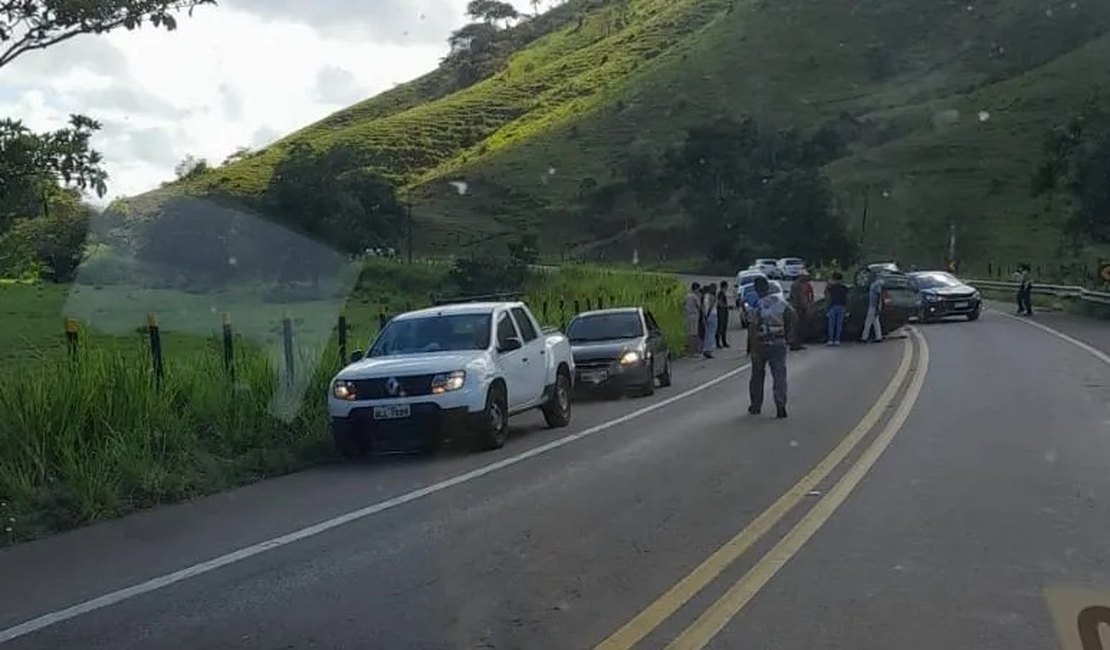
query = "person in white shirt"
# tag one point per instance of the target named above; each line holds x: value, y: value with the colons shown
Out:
x: 709, y: 312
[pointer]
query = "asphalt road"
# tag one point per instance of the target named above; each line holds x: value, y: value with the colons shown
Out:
x: 924, y: 493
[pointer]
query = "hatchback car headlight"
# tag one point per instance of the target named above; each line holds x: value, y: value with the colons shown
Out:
x: 631, y: 357
x: 448, y: 381
x: 344, y: 390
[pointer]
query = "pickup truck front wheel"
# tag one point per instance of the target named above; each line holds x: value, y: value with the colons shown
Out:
x: 493, y: 422
x: 556, y: 412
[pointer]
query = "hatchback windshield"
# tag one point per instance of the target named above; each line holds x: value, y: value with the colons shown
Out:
x: 605, y: 327
x: 433, y: 334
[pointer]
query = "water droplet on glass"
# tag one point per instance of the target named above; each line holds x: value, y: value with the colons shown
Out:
x: 460, y: 186
x: 984, y: 116
x: 1050, y: 457
x: 793, y: 443
x: 550, y: 171
x: 233, y: 261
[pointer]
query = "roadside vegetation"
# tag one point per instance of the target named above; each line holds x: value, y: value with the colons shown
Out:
x: 97, y: 435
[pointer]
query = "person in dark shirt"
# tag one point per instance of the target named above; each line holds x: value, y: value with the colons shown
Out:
x: 722, y: 315
x: 836, y: 294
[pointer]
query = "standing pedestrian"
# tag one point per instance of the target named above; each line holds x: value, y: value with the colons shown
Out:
x: 691, y: 311
x: 1025, y: 291
x: 722, y: 315
x: 874, y: 324
x: 801, y: 299
x: 771, y: 325
x: 709, y: 311
x: 749, y: 303
x: 836, y: 296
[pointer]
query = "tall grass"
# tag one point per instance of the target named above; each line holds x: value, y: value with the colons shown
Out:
x: 95, y: 437
x: 92, y: 439
x: 660, y: 293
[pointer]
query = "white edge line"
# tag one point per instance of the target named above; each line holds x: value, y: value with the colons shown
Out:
x: 1098, y: 354
x: 154, y: 584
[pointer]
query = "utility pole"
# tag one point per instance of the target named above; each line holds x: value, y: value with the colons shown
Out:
x: 866, y: 211
x: 952, y: 247
x: 408, y: 218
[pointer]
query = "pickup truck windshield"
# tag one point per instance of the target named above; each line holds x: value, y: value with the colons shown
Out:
x: 605, y: 327
x: 433, y: 334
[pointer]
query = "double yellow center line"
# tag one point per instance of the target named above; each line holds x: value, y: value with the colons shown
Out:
x: 714, y: 619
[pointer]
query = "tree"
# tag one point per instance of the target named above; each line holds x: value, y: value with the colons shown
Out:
x: 535, y: 6
x: 190, y: 167
x: 1077, y: 164
x: 336, y: 197
x: 33, y: 164
x: 240, y: 153
x: 491, y: 11
x: 473, y: 39
x: 49, y: 246
x: 750, y: 191
x: 28, y: 25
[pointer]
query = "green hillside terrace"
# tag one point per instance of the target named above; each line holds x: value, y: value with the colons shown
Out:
x: 944, y: 107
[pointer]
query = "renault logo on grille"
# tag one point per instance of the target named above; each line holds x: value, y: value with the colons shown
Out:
x: 393, y: 386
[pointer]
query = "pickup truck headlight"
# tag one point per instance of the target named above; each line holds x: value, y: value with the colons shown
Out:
x: 448, y: 382
x: 930, y: 297
x: 631, y: 357
x: 344, y: 390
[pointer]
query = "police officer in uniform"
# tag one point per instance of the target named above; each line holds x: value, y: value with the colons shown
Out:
x: 772, y: 324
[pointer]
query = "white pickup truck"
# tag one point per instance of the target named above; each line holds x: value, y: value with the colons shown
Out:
x: 460, y: 368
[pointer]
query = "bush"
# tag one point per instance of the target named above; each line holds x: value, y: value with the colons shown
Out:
x: 481, y: 275
x: 48, y: 247
x: 105, y: 267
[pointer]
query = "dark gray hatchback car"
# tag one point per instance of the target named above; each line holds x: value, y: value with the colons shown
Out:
x: 619, y: 350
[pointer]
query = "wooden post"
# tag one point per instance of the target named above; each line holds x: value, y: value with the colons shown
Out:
x: 155, y: 348
x: 229, y: 347
x: 287, y: 345
x: 71, y: 338
x: 342, y: 340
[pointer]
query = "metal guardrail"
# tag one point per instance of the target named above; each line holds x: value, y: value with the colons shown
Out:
x: 1058, y: 290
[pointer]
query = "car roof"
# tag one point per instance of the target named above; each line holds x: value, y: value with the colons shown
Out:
x: 613, y: 310
x: 459, y: 309
x: 787, y: 260
x: 750, y: 273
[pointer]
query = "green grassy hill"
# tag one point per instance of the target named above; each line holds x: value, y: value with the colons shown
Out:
x: 947, y: 104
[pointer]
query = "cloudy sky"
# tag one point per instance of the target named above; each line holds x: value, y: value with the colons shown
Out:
x: 237, y: 75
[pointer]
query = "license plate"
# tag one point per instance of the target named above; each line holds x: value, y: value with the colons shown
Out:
x: 394, y: 412
x: 594, y: 376
x: 959, y: 305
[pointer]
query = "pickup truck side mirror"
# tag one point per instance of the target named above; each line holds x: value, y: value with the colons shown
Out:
x: 510, y: 344
x: 356, y: 356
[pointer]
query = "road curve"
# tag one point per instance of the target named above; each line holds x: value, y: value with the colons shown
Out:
x: 975, y: 481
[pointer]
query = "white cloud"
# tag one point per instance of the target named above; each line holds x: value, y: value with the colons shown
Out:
x: 335, y: 85
x: 381, y: 21
x: 241, y: 74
